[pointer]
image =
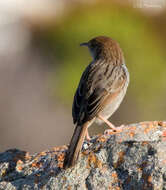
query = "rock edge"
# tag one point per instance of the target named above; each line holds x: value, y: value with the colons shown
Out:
x: 133, y: 159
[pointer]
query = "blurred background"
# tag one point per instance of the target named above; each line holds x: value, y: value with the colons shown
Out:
x: 41, y: 63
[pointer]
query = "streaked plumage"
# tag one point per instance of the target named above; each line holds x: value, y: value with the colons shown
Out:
x: 100, y: 91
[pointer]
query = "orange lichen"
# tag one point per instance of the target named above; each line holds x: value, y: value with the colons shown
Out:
x: 85, y: 152
x: 101, y: 139
x: 139, y: 169
x: 144, y: 124
x: 162, y: 123
x: 120, y: 159
x: 93, y: 161
x: 69, y: 187
x: 59, y: 148
x: 19, y: 162
x: 114, y: 175
x: 110, y: 132
x: 113, y: 187
x: 121, y: 155
x: 148, y: 128
x: 131, y: 131
x: 149, y: 179
x: 36, y: 164
x: 131, y: 134
x: 60, y: 159
x: 19, y: 168
x: 133, y: 128
x: 144, y: 143
x: 149, y: 124
x: 155, y: 123
x: 60, y: 164
x: 56, y: 149
x: 164, y: 134
x: 42, y: 153
x: 36, y: 158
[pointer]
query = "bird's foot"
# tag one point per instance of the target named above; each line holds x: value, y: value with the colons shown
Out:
x: 114, y: 131
x: 87, y: 137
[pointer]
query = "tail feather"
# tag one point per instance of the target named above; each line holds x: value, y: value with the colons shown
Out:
x: 75, y: 146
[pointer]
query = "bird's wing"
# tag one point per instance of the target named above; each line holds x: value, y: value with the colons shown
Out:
x: 99, y: 82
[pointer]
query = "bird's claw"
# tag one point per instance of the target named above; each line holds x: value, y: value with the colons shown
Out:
x: 112, y: 131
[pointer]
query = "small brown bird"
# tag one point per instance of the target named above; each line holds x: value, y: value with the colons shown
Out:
x: 101, y: 89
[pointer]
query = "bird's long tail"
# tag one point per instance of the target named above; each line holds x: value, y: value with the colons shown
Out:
x: 75, y: 145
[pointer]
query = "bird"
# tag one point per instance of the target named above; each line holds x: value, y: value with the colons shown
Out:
x: 101, y: 89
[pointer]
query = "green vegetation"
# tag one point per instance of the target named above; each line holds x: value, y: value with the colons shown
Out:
x: 143, y: 51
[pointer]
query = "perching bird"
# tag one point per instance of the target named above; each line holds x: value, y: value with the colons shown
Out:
x: 101, y: 89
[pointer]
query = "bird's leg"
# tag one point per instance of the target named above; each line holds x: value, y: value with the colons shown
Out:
x: 87, y: 136
x: 113, y: 128
x: 107, y: 122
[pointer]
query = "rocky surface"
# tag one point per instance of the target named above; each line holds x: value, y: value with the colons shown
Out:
x: 130, y: 160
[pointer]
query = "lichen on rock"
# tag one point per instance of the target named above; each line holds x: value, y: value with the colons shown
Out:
x: 133, y: 159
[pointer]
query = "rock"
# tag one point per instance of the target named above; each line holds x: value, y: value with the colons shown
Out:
x: 134, y: 159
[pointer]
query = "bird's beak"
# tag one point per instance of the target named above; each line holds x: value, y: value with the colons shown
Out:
x: 84, y: 44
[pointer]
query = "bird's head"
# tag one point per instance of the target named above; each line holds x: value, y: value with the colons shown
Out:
x: 103, y: 47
